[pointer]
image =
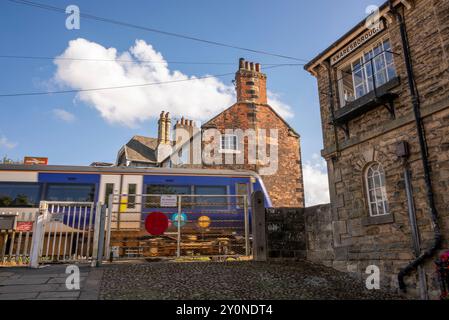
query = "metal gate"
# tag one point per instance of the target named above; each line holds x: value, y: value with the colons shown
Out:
x: 64, y: 232
x: 15, y: 246
x: 196, y: 226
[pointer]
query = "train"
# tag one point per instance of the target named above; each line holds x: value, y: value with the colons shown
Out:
x: 212, y: 199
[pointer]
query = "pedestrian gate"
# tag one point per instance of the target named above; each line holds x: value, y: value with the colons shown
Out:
x: 155, y: 226
x: 64, y: 232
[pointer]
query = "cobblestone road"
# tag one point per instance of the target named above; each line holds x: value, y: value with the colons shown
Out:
x: 235, y: 281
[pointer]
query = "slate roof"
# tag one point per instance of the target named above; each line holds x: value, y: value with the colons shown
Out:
x: 141, y: 149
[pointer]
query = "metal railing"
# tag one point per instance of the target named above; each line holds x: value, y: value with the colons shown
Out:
x: 63, y: 232
x: 15, y: 245
x: 198, y: 225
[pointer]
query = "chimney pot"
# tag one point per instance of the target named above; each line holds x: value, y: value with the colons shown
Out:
x: 241, y: 63
x: 258, y: 67
x: 252, y: 66
x: 246, y: 65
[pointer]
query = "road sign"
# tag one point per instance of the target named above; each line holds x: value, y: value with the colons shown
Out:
x: 174, y: 219
x: 204, y: 222
x: 156, y: 223
x: 24, y: 226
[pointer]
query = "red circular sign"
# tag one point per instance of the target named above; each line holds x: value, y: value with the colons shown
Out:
x: 156, y: 223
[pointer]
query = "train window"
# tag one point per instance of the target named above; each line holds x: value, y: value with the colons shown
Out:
x: 132, y: 188
x: 108, y: 191
x: 211, y: 190
x: 70, y: 192
x: 25, y: 195
x: 241, y: 190
x: 151, y: 202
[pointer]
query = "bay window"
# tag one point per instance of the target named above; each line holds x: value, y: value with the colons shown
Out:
x: 371, y: 69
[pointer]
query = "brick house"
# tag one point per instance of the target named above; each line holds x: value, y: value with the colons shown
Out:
x: 275, y: 138
x: 384, y: 97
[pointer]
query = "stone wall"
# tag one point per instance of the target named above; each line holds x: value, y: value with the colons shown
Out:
x: 300, y: 233
x: 359, y: 240
x: 314, y: 234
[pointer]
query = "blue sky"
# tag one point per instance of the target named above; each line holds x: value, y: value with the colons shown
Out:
x: 34, y: 126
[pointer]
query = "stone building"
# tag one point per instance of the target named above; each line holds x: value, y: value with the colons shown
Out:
x: 182, y: 145
x: 384, y: 97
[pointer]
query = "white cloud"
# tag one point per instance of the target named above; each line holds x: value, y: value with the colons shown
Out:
x: 316, y: 185
x: 64, y: 115
x: 5, y: 143
x: 200, y: 99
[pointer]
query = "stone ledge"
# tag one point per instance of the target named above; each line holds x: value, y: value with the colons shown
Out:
x: 370, y: 221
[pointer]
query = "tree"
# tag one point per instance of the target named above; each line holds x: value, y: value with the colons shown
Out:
x: 7, y: 160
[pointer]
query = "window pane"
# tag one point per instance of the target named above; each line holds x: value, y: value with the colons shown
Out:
x: 242, y: 190
x: 211, y: 190
x: 374, y: 209
x: 108, y: 191
x: 70, y: 192
x: 24, y: 195
x: 151, y: 202
x: 164, y: 189
x: 376, y: 190
x: 132, y: 187
x: 391, y: 71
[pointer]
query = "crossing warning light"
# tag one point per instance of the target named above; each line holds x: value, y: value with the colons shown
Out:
x: 156, y: 223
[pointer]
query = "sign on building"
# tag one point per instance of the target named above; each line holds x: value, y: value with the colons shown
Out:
x: 357, y: 43
x: 35, y: 161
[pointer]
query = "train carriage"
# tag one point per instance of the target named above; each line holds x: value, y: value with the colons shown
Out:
x: 211, y: 202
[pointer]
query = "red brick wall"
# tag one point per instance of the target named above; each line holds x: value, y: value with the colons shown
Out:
x: 285, y: 187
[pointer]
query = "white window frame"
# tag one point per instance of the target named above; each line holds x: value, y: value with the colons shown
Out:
x: 366, y: 79
x: 226, y: 146
x: 377, y: 189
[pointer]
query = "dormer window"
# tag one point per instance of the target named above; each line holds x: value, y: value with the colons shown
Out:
x: 370, y: 69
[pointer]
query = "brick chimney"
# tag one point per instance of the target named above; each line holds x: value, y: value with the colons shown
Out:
x: 163, y: 149
x: 250, y: 83
x: 162, y: 127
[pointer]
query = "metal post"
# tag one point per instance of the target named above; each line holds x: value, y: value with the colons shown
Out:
x: 5, y: 241
x: 245, y: 210
x: 38, y: 236
x: 110, y: 210
x: 96, y: 234
x: 178, y: 251
x: 101, y: 235
x: 374, y: 78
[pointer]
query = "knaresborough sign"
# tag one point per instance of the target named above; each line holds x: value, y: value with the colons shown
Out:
x: 367, y: 35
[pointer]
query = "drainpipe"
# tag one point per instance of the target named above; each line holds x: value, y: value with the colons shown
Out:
x: 331, y: 104
x: 423, y: 149
x: 403, y: 153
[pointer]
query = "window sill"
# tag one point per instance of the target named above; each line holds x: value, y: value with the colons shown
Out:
x: 385, y: 219
x: 371, y: 100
